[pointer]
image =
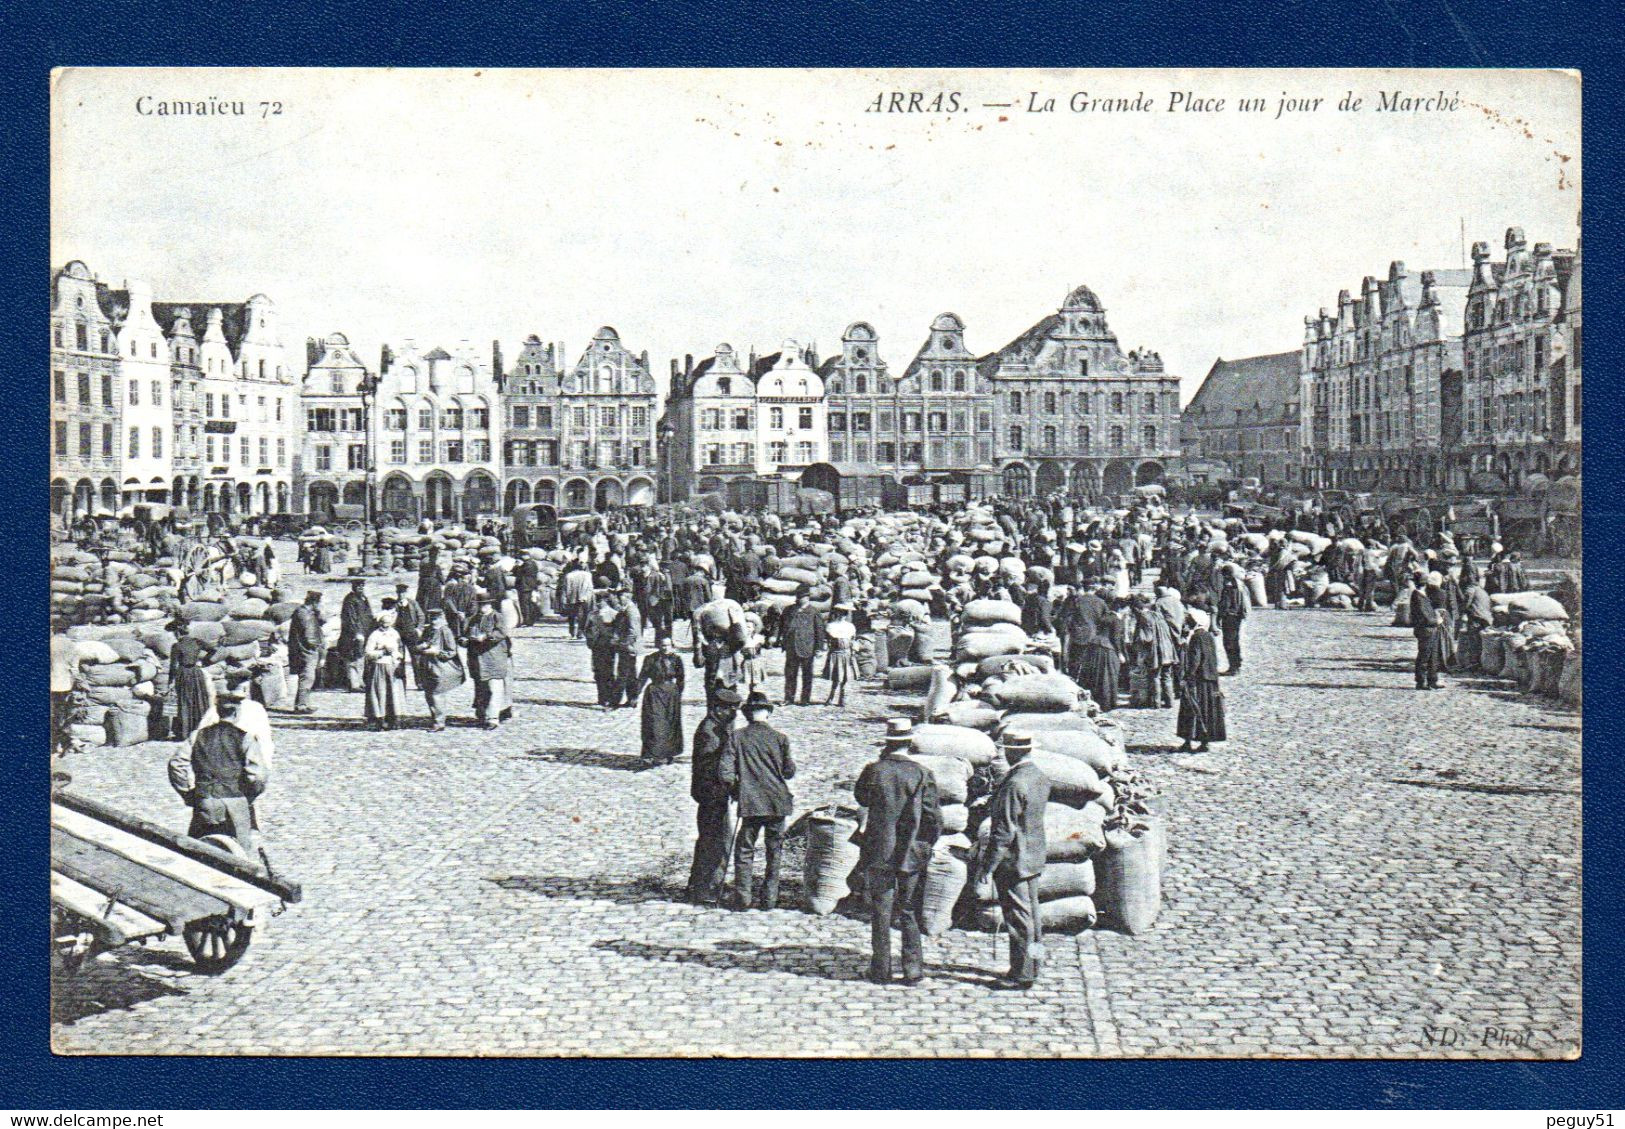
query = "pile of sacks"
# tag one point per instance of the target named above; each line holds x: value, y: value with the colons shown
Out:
x: 123, y: 681
x: 86, y: 590
x: 1532, y: 645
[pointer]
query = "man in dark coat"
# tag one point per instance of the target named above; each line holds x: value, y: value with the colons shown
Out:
x: 429, y: 583
x: 219, y: 774
x: 713, y: 818
x: 901, y: 825
x: 528, y: 579
x: 803, y: 639
x: 355, y: 624
x: 1015, y: 855
x: 490, y: 664
x: 1426, y: 619
x: 1230, y: 605
x: 756, y: 767
x: 658, y: 598
x: 692, y: 593
x: 459, y: 598
x: 626, y: 635
x: 410, y: 621
x: 306, y: 649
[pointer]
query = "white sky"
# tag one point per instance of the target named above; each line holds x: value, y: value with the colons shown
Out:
x: 688, y: 208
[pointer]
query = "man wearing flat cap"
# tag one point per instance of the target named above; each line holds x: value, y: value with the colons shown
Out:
x: 220, y: 774
x: 355, y: 624
x: 713, y: 819
x: 756, y: 768
x: 901, y: 823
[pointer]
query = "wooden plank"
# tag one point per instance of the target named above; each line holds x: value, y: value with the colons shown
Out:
x: 205, y: 853
x: 162, y: 860
x: 115, y: 926
x: 117, y: 877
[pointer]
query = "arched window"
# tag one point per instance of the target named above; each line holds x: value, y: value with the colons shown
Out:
x: 1015, y: 436
x: 936, y: 380
x: 1049, y: 438
x: 1117, y: 437
x: 1049, y: 403
x: 1117, y: 403
x: 862, y: 383
x: 837, y: 386
x: 1083, y: 437
x: 1150, y: 435
x: 1015, y: 401
x: 959, y: 380
x: 1151, y: 401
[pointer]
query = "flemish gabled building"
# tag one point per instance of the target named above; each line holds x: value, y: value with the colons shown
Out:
x: 1381, y: 385
x: 532, y: 450
x: 438, y: 433
x: 1512, y: 325
x: 1566, y: 398
x: 607, y: 405
x: 1073, y: 412
x: 331, y: 466
x: 1245, y: 415
x: 932, y: 422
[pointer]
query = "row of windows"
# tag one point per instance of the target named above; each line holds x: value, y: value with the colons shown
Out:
x: 1053, y: 403
x: 1478, y: 311
x: 1526, y: 357
x: 1050, y: 437
x: 271, y: 406
x: 744, y: 454
x: 577, y: 453
x: 936, y: 381
x: 133, y: 446
x: 933, y: 421
x: 944, y: 452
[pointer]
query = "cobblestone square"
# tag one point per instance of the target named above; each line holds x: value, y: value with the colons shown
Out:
x: 1362, y: 870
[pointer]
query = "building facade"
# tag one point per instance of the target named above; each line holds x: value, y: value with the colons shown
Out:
x: 143, y: 410
x: 729, y: 419
x: 331, y: 465
x: 1246, y: 416
x: 1513, y: 312
x: 1073, y: 412
x: 606, y: 413
x: 532, y: 447
x: 436, y: 425
x: 1381, y: 384
x: 1566, y: 392
x: 934, y: 421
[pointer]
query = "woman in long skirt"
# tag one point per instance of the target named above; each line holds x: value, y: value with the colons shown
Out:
x: 1201, y: 707
x: 840, y: 666
x: 193, y: 694
x: 660, y: 681
x: 383, y: 654
x: 1101, y: 666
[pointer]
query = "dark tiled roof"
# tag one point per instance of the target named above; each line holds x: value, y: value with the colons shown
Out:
x: 762, y: 365
x: 1023, y: 348
x: 1267, y: 384
x: 437, y: 354
x: 233, y: 322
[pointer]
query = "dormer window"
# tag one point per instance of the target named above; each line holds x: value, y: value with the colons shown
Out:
x: 725, y: 386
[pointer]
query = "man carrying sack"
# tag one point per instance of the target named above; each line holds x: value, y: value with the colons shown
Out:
x: 901, y: 826
x: 1015, y: 857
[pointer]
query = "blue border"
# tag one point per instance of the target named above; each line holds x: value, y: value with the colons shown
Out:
x: 1466, y: 33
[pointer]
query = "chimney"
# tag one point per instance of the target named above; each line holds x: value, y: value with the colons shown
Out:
x: 496, y: 358
x: 644, y: 357
x: 313, y: 352
x: 386, y: 357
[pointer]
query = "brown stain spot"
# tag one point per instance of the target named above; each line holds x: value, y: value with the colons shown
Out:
x: 775, y: 188
x: 1003, y: 118
x: 890, y: 147
x: 575, y: 819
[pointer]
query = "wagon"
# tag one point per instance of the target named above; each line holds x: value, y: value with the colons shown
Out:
x: 116, y: 879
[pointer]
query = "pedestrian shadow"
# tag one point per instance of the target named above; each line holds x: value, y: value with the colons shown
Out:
x: 589, y: 758
x: 1156, y: 750
x: 1327, y: 686
x: 819, y: 962
x: 551, y: 678
x: 1488, y: 789
x: 622, y: 891
x: 558, y: 702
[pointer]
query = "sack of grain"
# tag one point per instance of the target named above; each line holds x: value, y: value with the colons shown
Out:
x: 955, y: 818
x: 918, y: 595
x: 95, y: 652
x: 237, y: 653
x: 1490, y: 655
x: 1035, y: 693
x: 952, y: 775
x: 262, y: 593
x: 1129, y: 877
x: 831, y: 858
x: 1569, y: 682
x: 125, y: 727
x: 909, y: 679
x: 206, y: 632
x: 779, y: 586
x: 1071, y: 781
x: 944, y: 881
x: 953, y: 741
x: 1061, y: 916
x: 983, y: 613
x: 88, y: 733
x: 246, y: 607
x: 1066, y: 880
x: 109, y: 695
x: 281, y: 613
x: 1520, y: 606
x: 203, y: 611
x: 115, y: 674
x: 986, y: 642
x: 1073, y: 834
x: 999, y: 665
x: 1337, y: 588
x: 972, y: 714
x: 800, y: 576
x: 238, y: 631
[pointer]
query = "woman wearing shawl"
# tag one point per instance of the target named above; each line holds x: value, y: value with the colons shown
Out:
x: 382, y: 654
x: 1201, y: 708
x: 660, y: 682
x: 193, y: 693
x: 1100, y: 663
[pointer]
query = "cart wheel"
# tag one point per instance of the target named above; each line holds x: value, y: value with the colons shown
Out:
x: 216, y: 943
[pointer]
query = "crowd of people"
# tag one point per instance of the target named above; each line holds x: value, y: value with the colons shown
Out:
x: 1141, y: 607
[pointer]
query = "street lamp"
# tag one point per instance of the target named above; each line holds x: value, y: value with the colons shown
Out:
x: 369, y: 389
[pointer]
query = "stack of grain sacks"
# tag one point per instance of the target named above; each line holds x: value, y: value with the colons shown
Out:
x: 123, y: 675
x: 1531, y: 644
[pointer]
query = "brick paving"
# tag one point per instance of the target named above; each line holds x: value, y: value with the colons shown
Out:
x: 1363, y: 870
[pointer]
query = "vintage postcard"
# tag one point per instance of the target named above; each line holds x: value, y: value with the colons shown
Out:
x: 816, y: 563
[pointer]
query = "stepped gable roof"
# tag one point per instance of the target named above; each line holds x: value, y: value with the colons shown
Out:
x: 1266, y: 385
x: 1024, y: 348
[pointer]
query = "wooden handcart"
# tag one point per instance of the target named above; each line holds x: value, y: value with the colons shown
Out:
x: 116, y: 879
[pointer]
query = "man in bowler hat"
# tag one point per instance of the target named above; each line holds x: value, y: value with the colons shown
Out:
x: 756, y: 767
x: 1015, y: 857
x: 901, y: 825
x: 714, y: 817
